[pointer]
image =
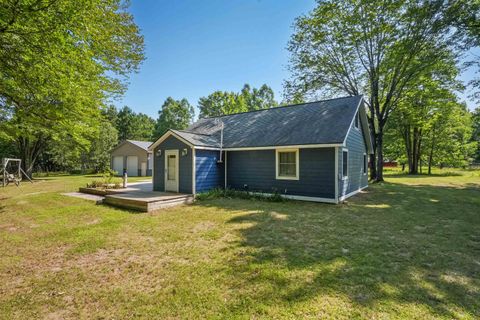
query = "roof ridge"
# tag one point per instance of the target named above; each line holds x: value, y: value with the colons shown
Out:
x: 131, y: 140
x: 193, y: 132
x: 279, y: 107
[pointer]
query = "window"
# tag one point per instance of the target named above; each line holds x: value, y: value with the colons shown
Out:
x: 357, y: 120
x: 171, y: 165
x: 287, y: 166
x: 345, y: 164
x: 365, y: 164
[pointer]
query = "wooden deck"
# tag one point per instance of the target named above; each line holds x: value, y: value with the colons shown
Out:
x: 147, y: 201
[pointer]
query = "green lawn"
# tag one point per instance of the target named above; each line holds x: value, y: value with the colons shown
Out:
x: 407, y: 248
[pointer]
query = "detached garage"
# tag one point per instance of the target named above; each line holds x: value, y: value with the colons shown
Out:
x: 133, y: 156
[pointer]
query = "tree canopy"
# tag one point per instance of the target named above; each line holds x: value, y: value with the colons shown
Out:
x: 248, y: 99
x: 375, y: 48
x: 174, y: 114
x: 133, y: 126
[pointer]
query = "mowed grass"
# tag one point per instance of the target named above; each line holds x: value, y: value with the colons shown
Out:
x: 405, y: 249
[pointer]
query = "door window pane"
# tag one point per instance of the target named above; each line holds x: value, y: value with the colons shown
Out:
x: 171, y: 167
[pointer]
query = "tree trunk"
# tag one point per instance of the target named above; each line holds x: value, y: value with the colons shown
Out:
x: 379, y: 152
x: 29, y: 152
x: 407, y: 138
x: 413, y: 143
x: 419, y: 149
x: 373, y: 166
x: 414, y: 168
x: 371, y: 124
x: 373, y: 159
x: 430, y: 156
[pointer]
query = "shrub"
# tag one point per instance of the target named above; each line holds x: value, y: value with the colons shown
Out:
x: 216, y: 193
x: 107, y: 182
x: 95, y: 184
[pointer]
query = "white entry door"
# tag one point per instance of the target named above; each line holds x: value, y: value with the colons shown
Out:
x: 144, y: 169
x: 132, y: 166
x: 118, y: 165
x: 171, y: 170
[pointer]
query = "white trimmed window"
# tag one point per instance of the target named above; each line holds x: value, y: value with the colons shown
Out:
x: 287, y: 164
x: 345, y: 164
x: 357, y: 120
x: 365, y: 163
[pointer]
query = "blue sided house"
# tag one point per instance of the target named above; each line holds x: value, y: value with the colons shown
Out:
x: 314, y: 151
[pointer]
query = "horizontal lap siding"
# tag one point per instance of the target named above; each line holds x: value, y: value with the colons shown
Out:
x: 184, y: 163
x: 209, y: 174
x: 256, y: 170
x: 129, y: 149
x: 356, y: 148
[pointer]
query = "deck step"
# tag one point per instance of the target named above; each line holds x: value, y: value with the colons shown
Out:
x: 146, y: 204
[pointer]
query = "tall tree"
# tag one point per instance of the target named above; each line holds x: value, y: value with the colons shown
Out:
x: 124, y: 123
x: 220, y: 103
x: 448, y: 142
x: 432, y: 128
x: 174, y: 114
x: 104, y: 142
x: 133, y: 126
x: 376, y: 48
x: 143, y: 127
x: 49, y: 46
x: 60, y: 61
x: 32, y: 135
x: 256, y: 99
x: 248, y: 99
x: 476, y: 132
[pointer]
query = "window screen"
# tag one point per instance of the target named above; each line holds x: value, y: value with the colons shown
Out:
x: 345, y: 163
x: 287, y: 164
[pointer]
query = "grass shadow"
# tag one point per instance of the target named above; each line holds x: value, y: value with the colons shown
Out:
x: 424, y: 175
x: 395, y: 244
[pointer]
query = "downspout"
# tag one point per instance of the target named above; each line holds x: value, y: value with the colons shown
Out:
x: 336, y: 175
x: 221, y: 142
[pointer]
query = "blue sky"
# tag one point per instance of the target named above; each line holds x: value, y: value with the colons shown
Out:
x: 196, y: 47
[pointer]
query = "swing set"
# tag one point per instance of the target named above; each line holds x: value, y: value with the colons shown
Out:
x: 11, y: 172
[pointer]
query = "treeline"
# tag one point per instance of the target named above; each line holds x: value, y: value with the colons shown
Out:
x: 62, y: 62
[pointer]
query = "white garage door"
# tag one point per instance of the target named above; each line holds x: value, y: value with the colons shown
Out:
x: 132, y: 166
x: 118, y: 165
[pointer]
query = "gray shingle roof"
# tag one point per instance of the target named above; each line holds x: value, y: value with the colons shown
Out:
x: 321, y: 122
x: 198, y: 139
x: 142, y: 144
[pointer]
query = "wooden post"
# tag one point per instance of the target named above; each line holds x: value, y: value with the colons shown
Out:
x: 125, y: 178
x: 3, y: 172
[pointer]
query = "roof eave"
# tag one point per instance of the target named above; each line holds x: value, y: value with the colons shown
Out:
x: 170, y: 132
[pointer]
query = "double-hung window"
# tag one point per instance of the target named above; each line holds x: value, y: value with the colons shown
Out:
x: 345, y: 164
x: 287, y: 164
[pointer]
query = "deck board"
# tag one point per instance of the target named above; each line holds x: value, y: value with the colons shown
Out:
x: 149, y: 196
x: 148, y: 200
